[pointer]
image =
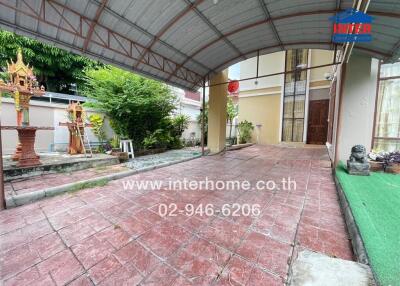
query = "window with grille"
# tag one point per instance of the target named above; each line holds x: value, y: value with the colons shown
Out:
x: 387, y: 115
x: 294, y: 95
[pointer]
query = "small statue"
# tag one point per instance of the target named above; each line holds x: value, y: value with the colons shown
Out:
x: 358, y: 162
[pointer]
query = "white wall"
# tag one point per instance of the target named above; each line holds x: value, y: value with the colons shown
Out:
x: 43, y: 114
x: 192, y: 112
x: 358, y: 105
x: 190, y: 108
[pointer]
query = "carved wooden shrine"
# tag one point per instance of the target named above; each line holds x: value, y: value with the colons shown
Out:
x: 22, y: 84
x: 76, y: 128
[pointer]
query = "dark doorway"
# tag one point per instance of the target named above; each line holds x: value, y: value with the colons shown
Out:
x: 318, y: 122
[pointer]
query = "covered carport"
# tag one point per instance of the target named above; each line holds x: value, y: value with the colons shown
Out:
x: 189, y: 43
x: 181, y: 42
x: 105, y: 236
x: 184, y: 42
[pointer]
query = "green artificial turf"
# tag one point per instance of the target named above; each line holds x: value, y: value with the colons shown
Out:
x: 375, y: 204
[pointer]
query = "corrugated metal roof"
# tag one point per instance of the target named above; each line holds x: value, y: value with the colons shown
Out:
x: 181, y: 41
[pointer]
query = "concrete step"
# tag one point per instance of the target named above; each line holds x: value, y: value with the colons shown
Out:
x: 315, y: 269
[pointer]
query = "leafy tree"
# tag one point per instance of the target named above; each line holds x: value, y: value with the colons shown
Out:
x: 136, y: 106
x: 231, y: 113
x: 54, y: 68
x: 199, y: 118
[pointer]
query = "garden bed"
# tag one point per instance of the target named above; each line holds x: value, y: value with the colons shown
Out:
x: 145, y: 152
x: 374, y: 201
x: 167, y: 157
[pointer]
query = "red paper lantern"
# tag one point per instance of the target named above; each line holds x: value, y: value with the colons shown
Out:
x: 233, y: 86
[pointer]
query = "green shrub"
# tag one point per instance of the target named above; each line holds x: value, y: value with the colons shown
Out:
x: 97, y: 122
x: 169, y: 134
x: 179, y: 124
x: 245, y: 128
x: 135, y: 105
x: 158, y: 139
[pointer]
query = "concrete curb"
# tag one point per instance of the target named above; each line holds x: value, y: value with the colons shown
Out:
x: 239, y: 146
x: 23, y: 199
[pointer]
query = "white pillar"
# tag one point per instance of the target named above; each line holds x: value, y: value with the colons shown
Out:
x: 357, y: 106
x: 217, y: 112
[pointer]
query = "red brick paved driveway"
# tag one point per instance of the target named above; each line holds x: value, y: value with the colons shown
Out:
x: 111, y: 236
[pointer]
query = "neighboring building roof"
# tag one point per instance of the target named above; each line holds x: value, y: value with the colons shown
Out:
x: 182, y: 41
x: 192, y: 95
x: 66, y: 96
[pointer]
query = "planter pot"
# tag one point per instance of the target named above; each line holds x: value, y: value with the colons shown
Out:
x: 393, y: 168
x: 230, y: 141
x: 376, y: 166
x: 122, y: 156
x: 115, y: 150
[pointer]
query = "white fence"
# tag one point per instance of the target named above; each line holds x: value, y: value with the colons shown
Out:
x: 42, y: 114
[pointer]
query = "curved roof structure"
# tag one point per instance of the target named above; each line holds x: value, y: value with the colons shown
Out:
x: 181, y: 41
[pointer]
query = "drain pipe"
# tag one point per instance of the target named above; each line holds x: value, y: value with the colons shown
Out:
x: 2, y: 197
x: 203, y: 117
x: 352, y: 44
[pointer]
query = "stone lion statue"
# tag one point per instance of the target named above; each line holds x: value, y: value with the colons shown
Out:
x: 358, y: 154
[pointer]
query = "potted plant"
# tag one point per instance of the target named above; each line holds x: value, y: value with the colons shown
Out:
x: 116, y: 150
x: 392, y: 162
x: 375, y: 161
x: 114, y: 142
x: 389, y: 161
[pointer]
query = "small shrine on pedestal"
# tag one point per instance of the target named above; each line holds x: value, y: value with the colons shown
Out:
x: 76, y: 128
x: 22, y: 84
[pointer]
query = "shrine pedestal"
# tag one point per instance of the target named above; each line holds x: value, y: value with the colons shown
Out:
x: 28, y: 156
x: 25, y: 152
x: 17, y: 153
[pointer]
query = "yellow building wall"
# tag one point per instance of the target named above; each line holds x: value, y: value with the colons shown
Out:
x: 268, y: 64
x: 260, y: 103
x: 264, y: 110
x: 318, y: 58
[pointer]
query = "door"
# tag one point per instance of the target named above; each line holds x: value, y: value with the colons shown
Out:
x: 331, y: 116
x: 318, y: 122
